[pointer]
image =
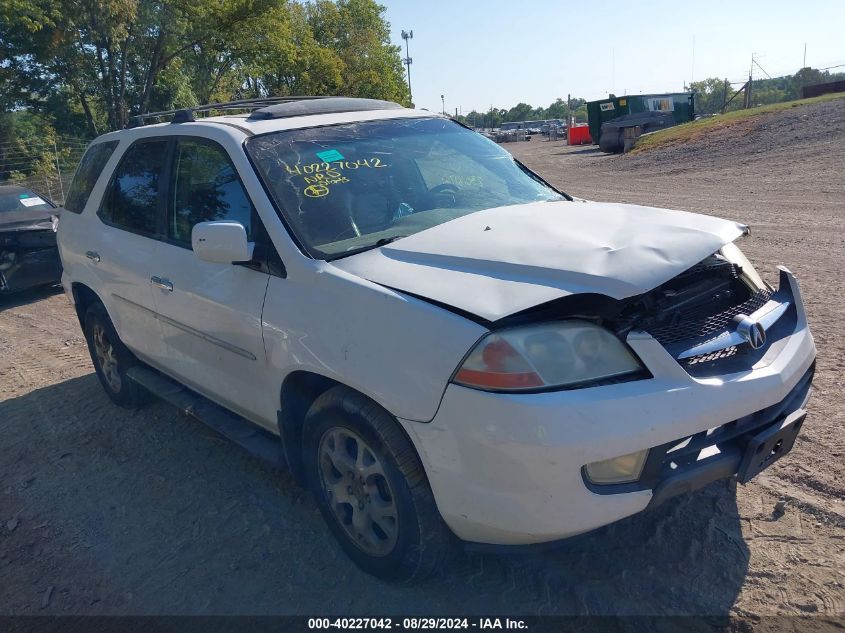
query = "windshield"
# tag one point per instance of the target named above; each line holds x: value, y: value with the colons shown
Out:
x: 347, y: 188
x: 17, y: 199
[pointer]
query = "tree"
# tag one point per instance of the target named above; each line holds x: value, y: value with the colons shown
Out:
x: 284, y: 58
x: 110, y: 59
x: 520, y: 112
x: 114, y: 52
x: 710, y: 95
x: 806, y: 77
x: 557, y: 110
x: 356, y: 31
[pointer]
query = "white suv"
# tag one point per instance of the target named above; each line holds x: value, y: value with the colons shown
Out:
x: 432, y: 337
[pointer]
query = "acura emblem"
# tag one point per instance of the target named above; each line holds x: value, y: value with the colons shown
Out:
x: 751, y: 330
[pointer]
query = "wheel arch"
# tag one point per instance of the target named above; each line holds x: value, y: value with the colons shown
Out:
x: 300, y: 389
x: 83, y: 298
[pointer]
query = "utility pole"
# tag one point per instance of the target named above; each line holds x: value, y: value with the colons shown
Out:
x: 692, y: 71
x: 748, y: 92
x: 750, y: 79
x: 725, y: 97
x: 59, y: 171
x: 443, y: 102
x: 804, y: 64
x: 408, y: 35
x: 613, y: 70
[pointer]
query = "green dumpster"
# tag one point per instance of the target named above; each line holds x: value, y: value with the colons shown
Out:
x: 680, y: 104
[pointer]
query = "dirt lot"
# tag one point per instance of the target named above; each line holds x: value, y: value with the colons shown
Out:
x: 108, y: 512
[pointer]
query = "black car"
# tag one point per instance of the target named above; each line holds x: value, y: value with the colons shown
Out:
x: 28, y: 253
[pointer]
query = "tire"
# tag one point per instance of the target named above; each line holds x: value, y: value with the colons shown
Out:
x: 111, y: 358
x: 345, y: 425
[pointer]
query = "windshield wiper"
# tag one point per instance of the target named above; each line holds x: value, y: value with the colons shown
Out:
x: 387, y: 240
x: 381, y: 242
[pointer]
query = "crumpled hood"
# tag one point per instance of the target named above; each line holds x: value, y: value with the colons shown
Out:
x: 26, y: 219
x: 500, y: 261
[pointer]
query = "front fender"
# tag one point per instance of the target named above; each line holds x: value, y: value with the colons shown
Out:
x: 396, y: 349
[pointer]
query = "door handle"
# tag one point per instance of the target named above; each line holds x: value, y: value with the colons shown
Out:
x: 164, y: 284
x: 93, y: 256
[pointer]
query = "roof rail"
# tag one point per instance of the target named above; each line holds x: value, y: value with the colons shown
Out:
x: 186, y: 115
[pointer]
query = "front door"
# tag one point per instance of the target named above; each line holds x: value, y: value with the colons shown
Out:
x: 210, y: 314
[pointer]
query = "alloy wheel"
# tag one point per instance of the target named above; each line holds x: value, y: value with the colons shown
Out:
x: 107, y: 358
x: 358, y: 491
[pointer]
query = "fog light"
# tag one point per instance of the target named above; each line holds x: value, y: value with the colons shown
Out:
x: 619, y: 470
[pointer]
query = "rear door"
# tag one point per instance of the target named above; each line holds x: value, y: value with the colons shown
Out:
x: 119, y: 248
x: 210, y: 314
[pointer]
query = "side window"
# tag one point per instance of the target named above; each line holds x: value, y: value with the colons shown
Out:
x: 132, y: 201
x: 206, y: 187
x: 87, y: 174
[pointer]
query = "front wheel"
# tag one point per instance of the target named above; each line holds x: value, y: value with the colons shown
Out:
x: 371, y: 488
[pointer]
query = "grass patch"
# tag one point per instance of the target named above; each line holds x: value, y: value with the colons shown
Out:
x: 694, y: 129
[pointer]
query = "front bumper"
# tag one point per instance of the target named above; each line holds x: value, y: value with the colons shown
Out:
x: 507, y: 468
x: 34, y: 262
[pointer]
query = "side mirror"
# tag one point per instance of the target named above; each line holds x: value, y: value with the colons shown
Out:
x: 221, y: 242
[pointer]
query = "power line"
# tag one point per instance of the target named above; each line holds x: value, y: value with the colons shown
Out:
x: 22, y: 145
x: 7, y: 151
x: 13, y: 160
x: 756, y: 63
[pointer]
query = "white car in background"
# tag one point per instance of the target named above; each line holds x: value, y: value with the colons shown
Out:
x: 437, y: 341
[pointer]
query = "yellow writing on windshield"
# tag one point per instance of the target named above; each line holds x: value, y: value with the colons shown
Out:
x: 321, y: 176
x: 316, y: 168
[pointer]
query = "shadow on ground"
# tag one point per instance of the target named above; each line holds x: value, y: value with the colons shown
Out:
x: 24, y: 297
x: 590, y: 149
x: 148, y: 512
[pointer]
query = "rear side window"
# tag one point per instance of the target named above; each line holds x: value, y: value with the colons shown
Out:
x: 132, y: 201
x: 89, y: 170
x: 206, y: 187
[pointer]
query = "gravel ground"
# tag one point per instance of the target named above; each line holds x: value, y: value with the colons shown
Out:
x: 104, y: 511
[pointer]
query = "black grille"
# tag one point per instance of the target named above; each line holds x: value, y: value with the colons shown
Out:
x: 691, y: 329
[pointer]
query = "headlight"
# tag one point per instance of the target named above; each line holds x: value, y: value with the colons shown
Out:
x: 549, y: 355
x: 732, y: 253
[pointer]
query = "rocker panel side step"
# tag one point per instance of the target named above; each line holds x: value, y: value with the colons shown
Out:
x: 256, y: 440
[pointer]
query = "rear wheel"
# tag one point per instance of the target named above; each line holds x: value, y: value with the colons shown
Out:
x: 371, y: 488
x: 111, y: 358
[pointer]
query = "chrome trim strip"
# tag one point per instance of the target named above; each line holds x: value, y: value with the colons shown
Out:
x: 187, y: 328
x: 767, y: 315
x: 136, y: 305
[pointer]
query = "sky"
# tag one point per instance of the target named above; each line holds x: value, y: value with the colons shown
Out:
x: 494, y: 52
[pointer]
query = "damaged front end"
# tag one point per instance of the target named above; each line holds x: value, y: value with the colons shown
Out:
x: 716, y: 317
x: 29, y: 257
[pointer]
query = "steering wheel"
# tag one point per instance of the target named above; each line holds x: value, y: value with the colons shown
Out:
x: 443, y: 191
x: 446, y: 187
